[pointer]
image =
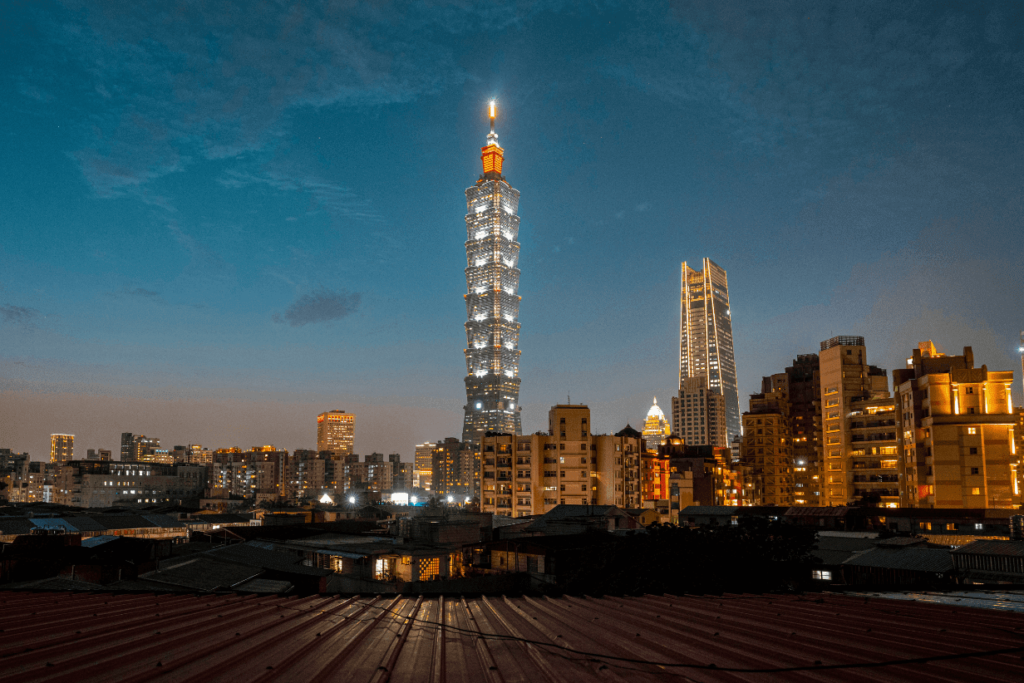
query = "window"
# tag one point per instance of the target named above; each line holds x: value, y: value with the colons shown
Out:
x: 979, y: 527
x: 974, y: 451
x: 430, y: 568
x: 970, y: 390
x: 974, y: 470
x: 972, y: 430
x: 976, y: 491
x: 951, y: 527
x: 821, y: 574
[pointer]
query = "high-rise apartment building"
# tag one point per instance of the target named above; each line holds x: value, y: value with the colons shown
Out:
x: 423, y: 466
x: 197, y: 455
x: 699, y: 414
x: 798, y: 392
x: 492, y: 300
x: 705, y: 336
x: 335, y: 432
x: 768, y: 451
x: 656, y: 428
x: 530, y: 475
x: 62, y: 447
x: 455, y: 468
x: 858, y: 425
x: 956, y: 432
x: 127, y: 441
x: 139, y: 447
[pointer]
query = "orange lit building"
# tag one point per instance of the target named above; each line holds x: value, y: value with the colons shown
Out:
x: 956, y: 423
x: 857, y: 425
x: 654, y: 475
x: 767, y: 452
x: 335, y: 432
x: 62, y: 447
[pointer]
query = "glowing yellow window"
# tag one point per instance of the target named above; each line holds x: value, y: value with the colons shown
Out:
x: 429, y: 568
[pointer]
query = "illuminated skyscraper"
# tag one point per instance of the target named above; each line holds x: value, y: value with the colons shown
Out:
x: 335, y: 432
x: 705, y: 336
x: 62, y: 447
x: 492, y: 305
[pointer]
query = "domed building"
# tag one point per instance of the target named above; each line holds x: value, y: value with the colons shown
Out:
x: 656, y: 428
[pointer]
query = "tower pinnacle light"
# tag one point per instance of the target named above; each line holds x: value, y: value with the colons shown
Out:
x: 492, y: 302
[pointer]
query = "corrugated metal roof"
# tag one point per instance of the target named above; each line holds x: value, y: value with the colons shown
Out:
x: 203, y: 573
x: 912, y: 559
x: 16, y: 526
x: 134, y: 638
x: 83, y: 523
x: 254, y: 556
x: 1005, y: 548
x: 163, y: 521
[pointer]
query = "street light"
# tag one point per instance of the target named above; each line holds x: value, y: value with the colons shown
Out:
x: 352, y: 499
x: 450, y: 499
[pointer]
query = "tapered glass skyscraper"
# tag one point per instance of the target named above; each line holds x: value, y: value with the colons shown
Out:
x: 705, y: 336
x: 492, y: 302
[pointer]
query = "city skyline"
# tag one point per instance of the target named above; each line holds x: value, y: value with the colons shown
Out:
x: 213, y: 247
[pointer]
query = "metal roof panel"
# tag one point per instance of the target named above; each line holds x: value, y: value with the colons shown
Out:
x: 259, y: 639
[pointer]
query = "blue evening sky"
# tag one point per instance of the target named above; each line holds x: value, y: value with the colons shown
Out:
x: 218, y: 219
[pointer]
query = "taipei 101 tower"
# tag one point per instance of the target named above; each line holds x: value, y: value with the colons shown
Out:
x: 492, y: 302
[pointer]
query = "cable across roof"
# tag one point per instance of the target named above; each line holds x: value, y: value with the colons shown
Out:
x: 173, y: 637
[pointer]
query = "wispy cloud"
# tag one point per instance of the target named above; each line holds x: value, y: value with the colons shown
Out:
x: 177, y: 82
x: 19, y: 315
x: 320, y: 306
x: 140, y: 293
x: 795, y: 75
x: 336, y: 199
x: 204, y: 261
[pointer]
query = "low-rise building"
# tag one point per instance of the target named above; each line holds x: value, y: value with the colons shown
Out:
x: 91, y: 483
x: 991, y: 561
x: 530, y: 475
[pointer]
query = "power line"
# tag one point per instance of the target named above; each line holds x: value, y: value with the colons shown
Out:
x: 602, y: 657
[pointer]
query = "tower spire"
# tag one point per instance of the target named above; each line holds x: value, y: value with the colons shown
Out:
x: 492, y: 155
